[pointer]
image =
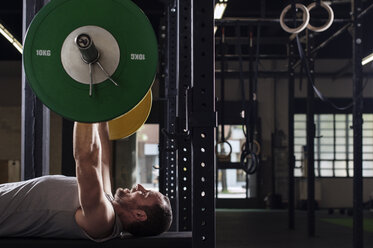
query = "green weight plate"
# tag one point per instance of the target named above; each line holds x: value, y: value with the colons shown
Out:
x: 62, y: 93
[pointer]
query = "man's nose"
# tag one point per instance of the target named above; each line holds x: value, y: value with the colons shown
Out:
x: 140, y: 187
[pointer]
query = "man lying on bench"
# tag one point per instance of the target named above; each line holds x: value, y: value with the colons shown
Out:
x: 82, y: 207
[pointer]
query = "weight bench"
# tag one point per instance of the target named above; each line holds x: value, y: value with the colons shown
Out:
x: 169, y: 239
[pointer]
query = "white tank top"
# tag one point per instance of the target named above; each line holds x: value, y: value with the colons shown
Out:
x: 43, y: 207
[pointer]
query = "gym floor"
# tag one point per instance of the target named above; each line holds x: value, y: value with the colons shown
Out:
x: 269, y: 229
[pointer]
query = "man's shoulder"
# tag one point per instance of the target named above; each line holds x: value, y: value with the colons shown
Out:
x: 98, y: 222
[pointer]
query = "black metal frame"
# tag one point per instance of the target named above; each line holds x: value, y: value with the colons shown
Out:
x: 203, y: 121
x: 168, y: 143
x: 187, y: 143
x: 357, y: 124
x: 184, y: 142
x: 291, y: 192
x: 310, y: 139
x: 35, y: 116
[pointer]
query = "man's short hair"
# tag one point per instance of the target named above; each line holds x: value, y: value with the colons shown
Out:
x: 159, y: 218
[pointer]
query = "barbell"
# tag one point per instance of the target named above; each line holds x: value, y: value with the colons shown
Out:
x: 93, y: 61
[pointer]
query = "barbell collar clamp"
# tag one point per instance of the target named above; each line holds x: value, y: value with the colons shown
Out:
x: 106, y: 73
x: 90, y: 56
x: 87, y: 48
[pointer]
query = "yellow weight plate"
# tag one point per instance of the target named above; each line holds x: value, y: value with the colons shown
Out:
x: 127, y: 124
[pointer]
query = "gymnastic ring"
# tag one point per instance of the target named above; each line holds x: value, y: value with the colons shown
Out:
x: 250, y: 168
x: 306, y: 19
x: 256, y: 144
x: 328, y: 23
x: 222, y: 157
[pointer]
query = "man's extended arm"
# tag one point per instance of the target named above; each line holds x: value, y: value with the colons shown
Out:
x: 96, y: 215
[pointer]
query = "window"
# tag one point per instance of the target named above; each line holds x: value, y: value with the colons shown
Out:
x: 148, y: 160
x: 231, y: 183
x: 333, y: 145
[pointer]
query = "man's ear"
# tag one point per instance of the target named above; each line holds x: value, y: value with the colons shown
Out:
x: 139, y: 215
